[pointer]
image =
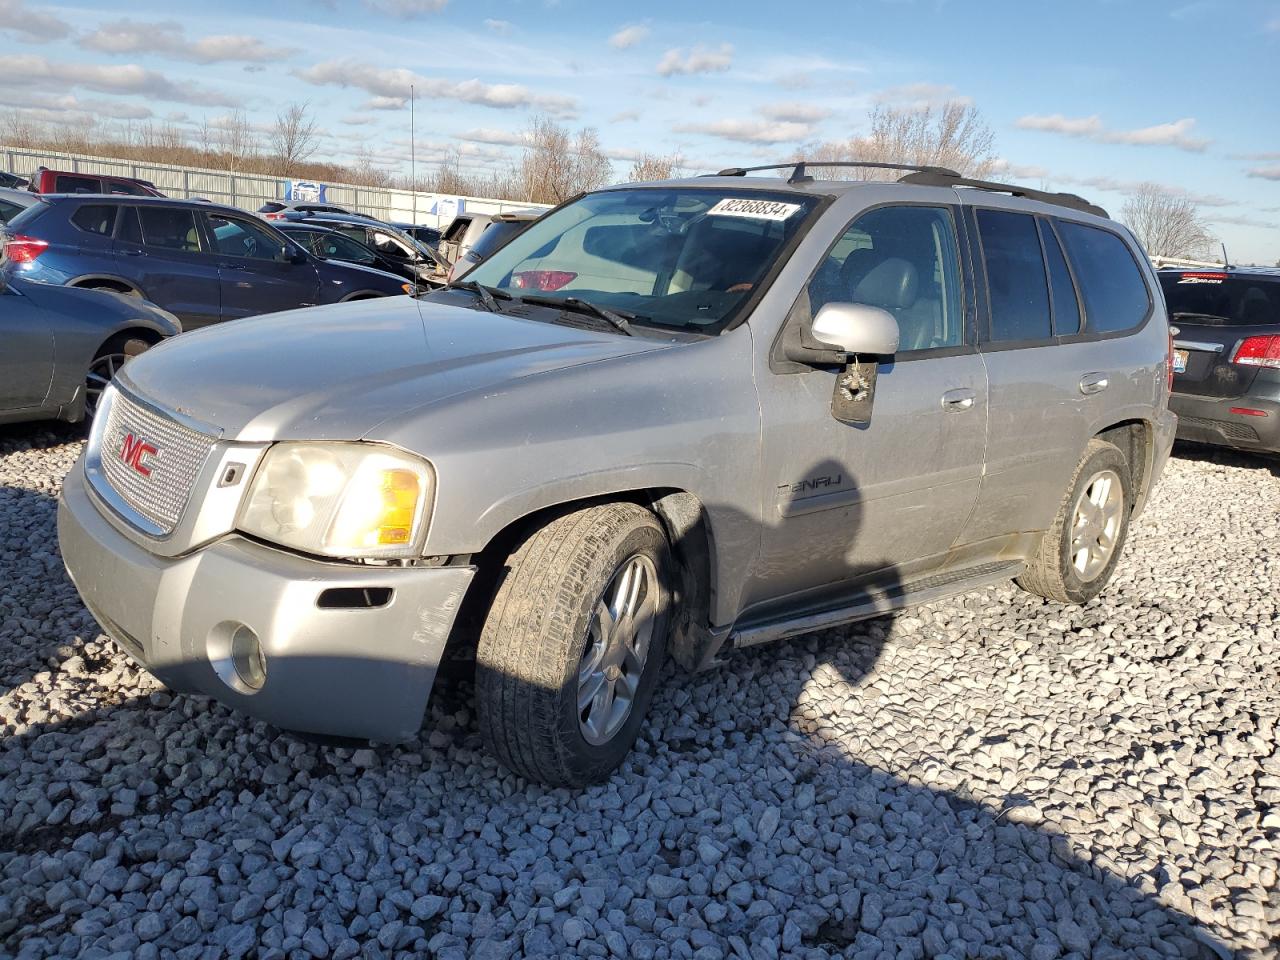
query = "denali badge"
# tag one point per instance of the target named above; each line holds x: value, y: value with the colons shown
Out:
x: 134, y: 452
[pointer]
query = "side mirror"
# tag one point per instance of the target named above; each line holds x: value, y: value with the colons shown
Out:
x: 857, y: 328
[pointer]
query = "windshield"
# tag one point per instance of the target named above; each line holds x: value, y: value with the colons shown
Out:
x: 678, y: 257
x: 1222, y: 299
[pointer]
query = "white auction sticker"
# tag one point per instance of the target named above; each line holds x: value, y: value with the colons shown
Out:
x: 755, y: 209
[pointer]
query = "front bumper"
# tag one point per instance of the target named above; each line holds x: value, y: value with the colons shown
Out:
x: 1210, y: 420
x: 346, y: 671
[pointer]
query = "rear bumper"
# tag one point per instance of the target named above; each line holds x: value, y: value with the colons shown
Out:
x: 1210, y: 420
x: 350, y: 671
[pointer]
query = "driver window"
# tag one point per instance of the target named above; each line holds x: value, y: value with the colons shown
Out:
x: 901, y: 259
x: 234, y: 237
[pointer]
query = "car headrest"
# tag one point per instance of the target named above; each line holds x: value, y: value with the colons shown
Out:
x: 892, y: 284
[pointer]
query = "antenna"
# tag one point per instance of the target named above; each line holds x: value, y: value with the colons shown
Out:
x: 1225, y: 261
x: 413, y: 157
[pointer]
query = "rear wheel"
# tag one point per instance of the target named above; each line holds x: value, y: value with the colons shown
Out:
x: 1080, y: 551
x: 571, y: 649
x: 115, y: 353
x: 111, y: 288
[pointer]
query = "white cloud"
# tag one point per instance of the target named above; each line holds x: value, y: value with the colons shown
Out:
x: 698, y: 60
x: 1243, y: 222
x: 358, y: 120
x: 406, y: 9
x: 752, y: 131
x: 168, y: 38
x: 1272, y: 26
x: 507, y: 138
x: 69, y: 104
x: 1266, y: 173
x: 629, y: 36
x: 498, y: 26
x: 625, y: 116
x: 32, y: 26
x: 37, y: 71
x: 795, y: 112
x: 389, y: 88
x: 919, y: 96
x: 1177, y: 134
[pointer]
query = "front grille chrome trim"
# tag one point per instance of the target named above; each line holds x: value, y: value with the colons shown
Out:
x: 156, y: 504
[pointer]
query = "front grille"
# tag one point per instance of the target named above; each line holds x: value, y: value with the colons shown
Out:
x: 157, y: 485
x: 1232, y: 431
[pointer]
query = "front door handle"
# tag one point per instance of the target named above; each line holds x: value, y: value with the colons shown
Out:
x: 1093, y: 383
x: 954, y: 401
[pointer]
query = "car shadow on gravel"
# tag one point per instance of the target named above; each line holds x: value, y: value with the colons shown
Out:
x: 751, y: 820
x: 1227, y: 457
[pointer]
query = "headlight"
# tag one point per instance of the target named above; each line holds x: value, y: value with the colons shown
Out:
x: 340, y: 499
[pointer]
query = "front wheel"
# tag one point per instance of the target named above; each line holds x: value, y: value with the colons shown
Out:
x: 1080, y: 551
x: 570, y: 652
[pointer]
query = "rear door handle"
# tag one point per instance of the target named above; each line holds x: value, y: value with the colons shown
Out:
x: 954, y: 401
x: 133, y: 253
x: 1093, y: 383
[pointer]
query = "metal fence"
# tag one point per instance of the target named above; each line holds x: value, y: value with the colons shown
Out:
x: 250, y: 190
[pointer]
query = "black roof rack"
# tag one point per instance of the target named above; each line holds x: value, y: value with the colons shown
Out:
x: 800, y: 175
x: 934, y: 178
x: 924, y: 175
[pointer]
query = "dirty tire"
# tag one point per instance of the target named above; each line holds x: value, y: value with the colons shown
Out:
x: 1050, y: 573
x: 535, y: 635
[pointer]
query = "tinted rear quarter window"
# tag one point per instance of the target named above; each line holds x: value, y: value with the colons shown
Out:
x: 1218, y: 299
x: 68, y: 184
x: 1016, y: 283
x: 1111, y: 285
x: 126, y: 188
x: 99, y: 218
x: 499, y: 232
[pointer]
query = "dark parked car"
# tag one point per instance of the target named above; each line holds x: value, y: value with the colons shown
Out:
x: 428, y: 235
x: 501, y: 228
x: 414, y: 260
x: 45, y: 180
x: 1226, y: 369
x: 202, y: 261
x: 330, y: 244
x: 62, y: 346
x: 12, y: 180
x: 13, y: 202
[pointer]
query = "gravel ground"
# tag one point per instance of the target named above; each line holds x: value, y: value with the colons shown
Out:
x: 990, y: 776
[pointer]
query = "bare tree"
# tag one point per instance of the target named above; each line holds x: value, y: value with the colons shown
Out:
x: 235, y: 140
x: 655, y: 166
x: 19, y: 130
x: 294, y: 138
x: 952, y: 135
x: 558, y: 164
x: 1166, y: 223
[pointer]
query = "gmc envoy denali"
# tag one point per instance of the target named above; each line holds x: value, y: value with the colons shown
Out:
x: 667, y: 419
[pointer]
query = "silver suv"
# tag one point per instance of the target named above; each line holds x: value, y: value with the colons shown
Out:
x: 664, y: 421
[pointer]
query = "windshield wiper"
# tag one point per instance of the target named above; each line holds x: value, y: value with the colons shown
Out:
x: 488, y: 295
x: 620, y: 321
x: 1191, y: 315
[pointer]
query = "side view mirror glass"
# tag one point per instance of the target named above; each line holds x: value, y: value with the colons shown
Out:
x: 857, y: 328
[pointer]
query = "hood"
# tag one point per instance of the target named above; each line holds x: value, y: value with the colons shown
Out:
x: 336, y: 372
x: 358, y: 268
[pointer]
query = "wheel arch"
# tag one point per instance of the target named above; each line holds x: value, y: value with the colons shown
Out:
x: 363, y: 295
x: 106, y: 279
x: 688, y: 527
x: 1135, y: 438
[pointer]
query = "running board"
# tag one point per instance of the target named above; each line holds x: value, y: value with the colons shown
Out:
x: 878, y: 602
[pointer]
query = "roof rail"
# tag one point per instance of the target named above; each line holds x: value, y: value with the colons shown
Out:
x: 935, y: 178
x: 1159, y: 262
x: 800, y: 175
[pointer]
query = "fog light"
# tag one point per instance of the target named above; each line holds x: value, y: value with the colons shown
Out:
x: 248, y: 659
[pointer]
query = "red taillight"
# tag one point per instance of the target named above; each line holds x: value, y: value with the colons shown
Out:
x: 545, y: 280
x: 1249, y: 411
x: 274, y: 216
x: 23, y: 249
x: 1258, y: 352
x: 1204, y: 276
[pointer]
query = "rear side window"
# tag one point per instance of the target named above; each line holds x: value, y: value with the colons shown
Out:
x: 1218, y: 299
x: 1066, y: 307
x: 1016, y: 283
x: 99, y: 218
x: 126, y: 188
x: 7, y: 210
x: 169, y: 229
x: 65, y: 183
x: 499, y: 232
x: 1111, y: 285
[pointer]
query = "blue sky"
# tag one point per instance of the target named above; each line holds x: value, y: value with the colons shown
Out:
x: 1089, y: 96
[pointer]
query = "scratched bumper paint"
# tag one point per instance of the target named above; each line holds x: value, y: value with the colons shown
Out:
x: 355, y: 672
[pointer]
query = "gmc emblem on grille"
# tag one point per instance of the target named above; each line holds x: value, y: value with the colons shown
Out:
x: 134, y: 452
